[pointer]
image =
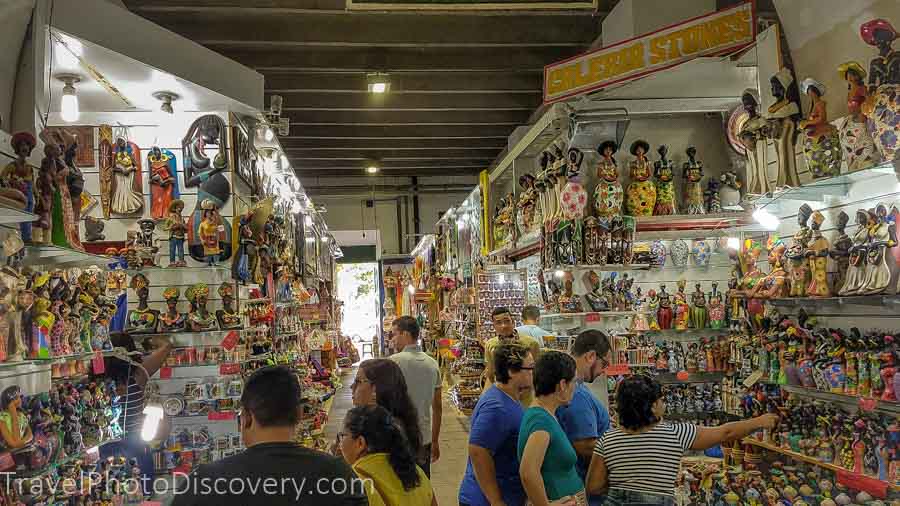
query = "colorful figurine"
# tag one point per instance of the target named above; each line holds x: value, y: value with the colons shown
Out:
x: 682, y: 309
x: 199, y: 317
x: 177, y: 229
x: 163, y: 181
x: 172, y: 320
x: 664, y: 173
x: 881, y: 264
x: 19, y: 175
x: 145, y: 243
x: 822, y: 146
x: 711, y: 195
x: 664, y: 313
x: 857, y: 143
x: 228, y: 317
x: 692, y: 173
x: 209, y: 233
x: 797, y: 253
x: 699, y: 316
x: 716, y: 309
x: 840, y: 251
x: 856, y: 268
x: 608, y: 193
x: 527, y: 215
x: 782, y: 123
x: 640, y: 197
x: 207, y: 176
x: 883, y: 107
x: 817, y: 254
x: 142, y: 319
x: 126, y: 190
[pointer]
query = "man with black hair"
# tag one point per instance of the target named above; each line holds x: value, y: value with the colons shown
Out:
x: 585, y: 418
x: 531, y: 315
x: 273, y: 470
x: 423, y: 382
x: 505, y: 327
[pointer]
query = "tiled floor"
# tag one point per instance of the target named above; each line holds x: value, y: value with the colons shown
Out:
x: 446, y: 473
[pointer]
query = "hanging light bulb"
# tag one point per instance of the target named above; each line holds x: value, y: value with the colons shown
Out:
x: 166, y: 120
x: 766, y: 219
x: 269, y: 134
x: 68, y: 110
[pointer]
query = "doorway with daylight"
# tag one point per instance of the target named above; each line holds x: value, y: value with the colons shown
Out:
x: 357, y: 289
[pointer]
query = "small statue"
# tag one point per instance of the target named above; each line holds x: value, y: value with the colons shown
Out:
x: 753, y: 137
x: 93, y: 228
x: 716, y: 309
x: 664, y: 173
x: 596, y: 240
x: 142, y: 319
x: 782, y: 123
x: 797, y: 253
x: 641, y: 195
x: 177, y: 229
x: 822, y: 146
x: 526, y: 216
x: 200, y: 318
x: 856, y: 141
x: 207, y: 175
x: 652, y: 310
x: 127, y: 193
x: 172, y: 320
x: 664, y: 314
x: 711, y: 195
x: 163, y: 181
x: 608, y: 194
x: 856, y: 268
x: 730, y: 191
x: 210, y: 234
x: 45, y: 188
x: 15, y: 427
x: 882, y: 107
x: 699, y: 314
x: 18, y: 175
x: 682, y: 309
x: 229, y: 318
x: 774, y: 285
x: 817, y: 257
x: 693, y: 191
x: 881, y: 264
x: 573, y: 197
x: 241, y: 267
x: 145, y: 243
x: 503, y: 225
x: 595, y: 299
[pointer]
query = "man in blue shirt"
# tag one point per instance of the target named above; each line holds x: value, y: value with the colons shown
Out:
x: 585, y: 418
x: 492, y: 473
x: 530, y: 317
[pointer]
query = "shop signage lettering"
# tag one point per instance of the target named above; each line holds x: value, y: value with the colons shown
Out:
x: 715, y: 33
x: 228, y: 369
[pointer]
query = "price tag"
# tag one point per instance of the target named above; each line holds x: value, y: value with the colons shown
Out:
x: 876, y: 488
x: 218, y: 416
x: 165, y: 373
x: 229, y: 369
x: 617, y: 370
x: 97, y: 363
x: 230, y: 340
x: 592, y: 317
x: 867, y: 405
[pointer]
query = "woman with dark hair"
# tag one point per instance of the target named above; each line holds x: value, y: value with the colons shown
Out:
x: 639, y: 460
x: 547, y: 461
x: 380, y: 382
x: 381, y: 456
x: 14, y: 427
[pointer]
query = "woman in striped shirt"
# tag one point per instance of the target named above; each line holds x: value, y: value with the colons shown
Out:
x: 638, y: 462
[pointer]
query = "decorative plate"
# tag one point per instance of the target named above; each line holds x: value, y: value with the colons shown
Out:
x: 679, y: 252
x: 657, y: 254
x: 173, y: 406
x: 573, y: 200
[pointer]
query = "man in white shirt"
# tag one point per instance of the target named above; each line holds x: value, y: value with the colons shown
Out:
x: 423, y: 381
x: 529, y: 327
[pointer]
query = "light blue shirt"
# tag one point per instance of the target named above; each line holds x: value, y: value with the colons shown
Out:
x: 534, y: 332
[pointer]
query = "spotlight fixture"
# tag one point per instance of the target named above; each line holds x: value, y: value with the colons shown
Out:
x: 268, y: 134
x: 372, y: 169
x: 166, y: 97
x: 69, y: 104
x: 378, y: 82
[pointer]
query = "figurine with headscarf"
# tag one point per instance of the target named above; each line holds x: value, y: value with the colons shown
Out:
x: 883, y: 106
x: 205, y: 173
x: 821, y: 145
x: 782, y: 126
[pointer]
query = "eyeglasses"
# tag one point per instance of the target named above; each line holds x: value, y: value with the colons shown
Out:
x: 357, y: 382
x: 340, y: 436
x: 523, y: 368
x: 237, y: 417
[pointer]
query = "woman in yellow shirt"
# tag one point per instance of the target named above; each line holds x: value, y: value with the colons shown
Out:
x: 381, y: 457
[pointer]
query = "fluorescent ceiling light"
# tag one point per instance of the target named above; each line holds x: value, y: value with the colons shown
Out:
x: 378, y: 82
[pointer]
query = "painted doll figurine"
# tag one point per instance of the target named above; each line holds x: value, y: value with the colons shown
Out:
x: 664, y: 313
x: 240, y: 268
x: 817, y: 255
x: 142, y: 319
x: 526, y: 216
x: 209, y: 233
x: 693, y: 191
x: 18, y: 175
x: 127, y: 193
x: 682, y: 309
x: 15, y: 427
x: 716, y: 309
x: 200, y: 318
x: 59, y: 334
x: 664, y: 173
x: 41, y: 324
x: 608, y: 193
x: 783, y: 116
x: 840, y: 251
x: 881, y: 263
x: 857, y: 144
x: 163, y: 181
x: 65, y: 224
x: 699, y: 314
x: 883, y: 106
x: 177, y: 229
x: 753, y: 137
x: 228, y: 317
x: 573, y: 199
x: 44, y: 188
x: 206, y: 174
x: 640, y: 198
x: 821, y: 145
x: 74, y: 179
x: 711, y: 195
x: 775, y: 284
x: 797, y: 253
x: 856, y: 268
x: 172, y: 320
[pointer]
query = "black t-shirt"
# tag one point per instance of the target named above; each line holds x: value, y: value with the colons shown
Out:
x: 272, y: 474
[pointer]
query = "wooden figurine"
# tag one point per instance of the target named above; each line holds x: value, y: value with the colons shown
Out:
x: 142, y: 319
x: 126, y: 190
x: 883, y: 106
x: 608, y: 193
x: 228, y: 317
x: 640, y: 197
x: 210, y: 232
x: 177, y: 229
x: 664, y: 313
x: 18, y: 176
x: 172, y: 320
x: 699, y: 311
x: 199, y: 317
x: 797, y: 253
x: 682, y: 308
x: 818, y: 259
x: 163, y: 181
x: 74, y: 178
x: 527, y: 216
x: 64, y: 226
x: 821, y: 145
x: 881, y: 264
x: 105, y: 162
x: 856, y: 269
x: 44, y: 188
x: 693, y: 190
x: 206, y: 174
x: 753, y: 137
x: 783, y: 116
x: 664, y: 174
x: 857, y: 143
x: 775, y: 284
x: 840, y: 251
x: 596, y: 239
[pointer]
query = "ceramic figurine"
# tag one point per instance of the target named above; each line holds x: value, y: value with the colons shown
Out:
x: 711, y: 196
x: 142, y: 319
x: 701, y: 251
x: 210, y: 233
x: 664, y: 314
x: 681, y: 308
x: 16, y: 429
x: 19, y: 319
x: 857, y: 143
x: 821, y: 146
x: 163, y: 181
x: 199, y: 317
x: 177, y: 229
x: 229, y: 318
x: 207, y: 176
x: 126, y: 190
x: 782, y: 123
x: 883, y: 105
x: 45, y: 188
x: 881, y: 264
x: 145, y: 243
x: 596, y: 239
x: 664, y: 173
x: 753, y: 137
x: 502, y: 224
x: 641, y: 194
x: 856, y: 269
x: 74, y: 179
x: 678, y: 252
x: 817, y: 254
x: 652, y: 310
x: 64, y: 179
x: 172, y: 320
x: 526, y: 216
x: 698, y: 308
x: 797, y: 253
x: 573, y: 197
x: 93, y: 229
x: 657, y: 254
x: 840, y: 251
x: 608, y: 193
x: 716, y: 309
x: 730, y: 191
x: 240, y: 269
x: 775, y: 284
x: 595, y: 299
x: 692, y: 173
x: 18, y: 175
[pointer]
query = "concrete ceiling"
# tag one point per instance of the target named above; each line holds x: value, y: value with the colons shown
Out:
x: 460, y: 81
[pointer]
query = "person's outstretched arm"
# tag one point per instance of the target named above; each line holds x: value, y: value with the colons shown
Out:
x: 597, y: 479
x: 708, y: 437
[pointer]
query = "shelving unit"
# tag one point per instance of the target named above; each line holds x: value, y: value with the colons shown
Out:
x: 57, y: 256
x: 9, y: 215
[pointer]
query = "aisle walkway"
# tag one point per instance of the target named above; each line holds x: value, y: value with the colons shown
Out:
x: 447, y: 473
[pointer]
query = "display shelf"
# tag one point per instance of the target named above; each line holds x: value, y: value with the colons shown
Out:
x: 598, y: 315
x: 850, y: 300
x: 63, y: 462
x: 820, y: 189
x: 891, y: 408
x: 57, y: 255
x: 671, y: 378
x: 689, y: 224
x: 258, y: 300
x: 215, y: 274
x: 600, y: 268
x: 188, y: 339
x: 688, y: 333
x: 11, y: 215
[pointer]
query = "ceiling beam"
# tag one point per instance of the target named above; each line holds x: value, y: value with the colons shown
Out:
x: 427, y: 129
x: 423, y: 143
x: 361, y: 163
x: 436, y: 82
x: 395, y: 172
x: 389, y: 101
x: 460, y: 117
x: 451, y: 153
x: 307, y: 6
x: 259, y: 28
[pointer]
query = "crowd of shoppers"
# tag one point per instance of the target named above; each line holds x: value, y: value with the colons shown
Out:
x: 538, y: 435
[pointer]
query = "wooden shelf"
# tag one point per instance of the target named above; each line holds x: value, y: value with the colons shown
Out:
x: 885, y: 407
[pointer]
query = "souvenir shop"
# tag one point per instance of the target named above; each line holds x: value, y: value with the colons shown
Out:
x: 148, y: 204
x: 741, y: 249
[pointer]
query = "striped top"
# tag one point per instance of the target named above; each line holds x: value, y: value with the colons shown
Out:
x: 646, y: 462
x: 133, y: 408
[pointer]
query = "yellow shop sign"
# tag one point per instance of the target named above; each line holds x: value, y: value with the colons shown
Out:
x: 712, y: 34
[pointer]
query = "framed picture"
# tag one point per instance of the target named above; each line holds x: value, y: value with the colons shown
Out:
x: 84, y: 155
x: 245, y: 158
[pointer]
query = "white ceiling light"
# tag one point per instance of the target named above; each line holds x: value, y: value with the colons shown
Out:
x: 268, y: 134
x: 372, y: 169
x: 166, y: 120
x: 766, y: 219
x: 378, y: 82
x: 733, y: 243
x: 325, y: 238
x: 69, y: 104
